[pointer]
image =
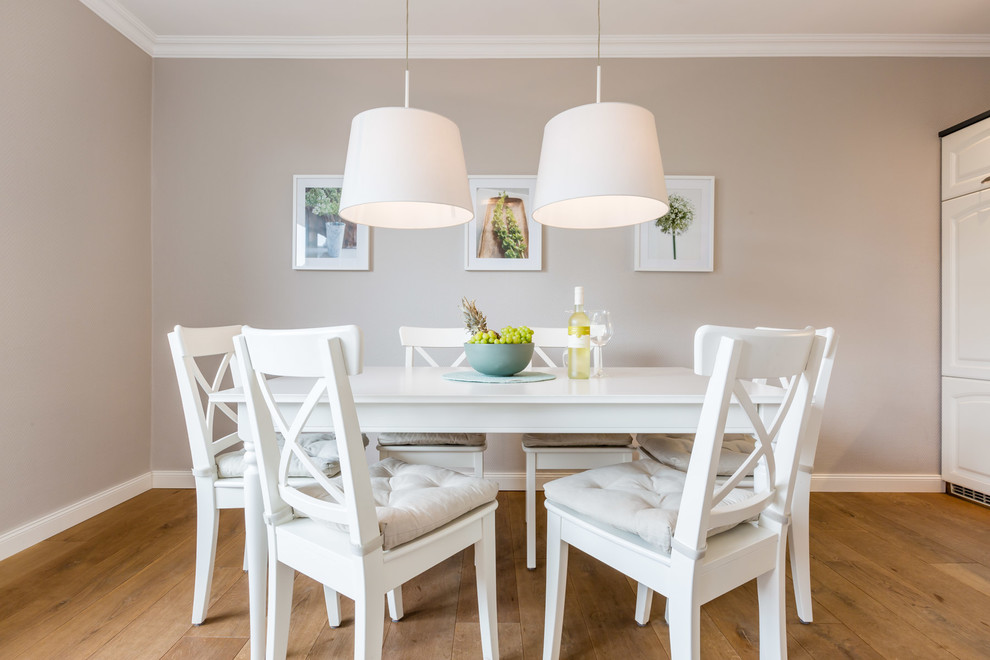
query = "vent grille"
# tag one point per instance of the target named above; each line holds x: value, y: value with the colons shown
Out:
x: 970, y: 494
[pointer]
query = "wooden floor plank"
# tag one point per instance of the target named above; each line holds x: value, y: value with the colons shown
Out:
x: 893, y: 576
x: 880, y: 627
x: 195, y: 648
x: 975, y: 576
x: 430, y: 601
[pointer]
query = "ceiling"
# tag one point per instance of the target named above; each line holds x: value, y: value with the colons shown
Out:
x: 551, y: 28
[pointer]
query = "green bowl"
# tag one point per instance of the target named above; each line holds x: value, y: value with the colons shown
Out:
x: 498, y: 359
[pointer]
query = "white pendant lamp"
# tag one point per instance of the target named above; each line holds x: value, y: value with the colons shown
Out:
x: 600, y: 165
x: 405, y: 168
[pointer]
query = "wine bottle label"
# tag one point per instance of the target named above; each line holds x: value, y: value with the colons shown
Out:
x: 579, y: 336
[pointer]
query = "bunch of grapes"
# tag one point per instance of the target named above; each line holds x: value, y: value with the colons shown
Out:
x: 509, y: 335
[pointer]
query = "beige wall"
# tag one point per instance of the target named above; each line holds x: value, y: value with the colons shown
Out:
x: 827, y: 206
x: 75, y: 279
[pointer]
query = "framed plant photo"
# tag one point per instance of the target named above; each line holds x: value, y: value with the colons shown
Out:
x: 321, y: 239
x: 682, y: 240
x: 502, y: 235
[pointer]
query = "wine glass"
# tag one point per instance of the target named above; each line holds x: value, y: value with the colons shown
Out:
x: 601, y: 333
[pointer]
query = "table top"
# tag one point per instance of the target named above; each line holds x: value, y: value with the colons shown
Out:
x: 633, y: 385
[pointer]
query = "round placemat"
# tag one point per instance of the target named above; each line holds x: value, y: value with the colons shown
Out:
x: 476, y: 377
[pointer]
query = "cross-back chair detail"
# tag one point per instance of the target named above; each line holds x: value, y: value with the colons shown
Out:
x: 342, y: 531
x: 799, y: 530
x: 214, y: 491
x: 716, y: 537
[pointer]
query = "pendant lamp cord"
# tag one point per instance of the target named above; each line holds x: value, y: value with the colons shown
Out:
x: 407, y: 53
x: 598, y: 92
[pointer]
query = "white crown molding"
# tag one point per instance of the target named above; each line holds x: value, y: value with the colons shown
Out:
x: 540, y: 47
x: 475, y: 47
x: 124, y: 22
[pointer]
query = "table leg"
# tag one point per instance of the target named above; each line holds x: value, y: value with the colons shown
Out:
x: 256, y: 547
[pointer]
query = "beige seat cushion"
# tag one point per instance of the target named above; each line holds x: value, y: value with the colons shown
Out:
x: 412, y: 500
x: 674, y: 450
x: 641, y: 497
x: 322, y: 447
x: 428, y: 439
x: 577, y: 440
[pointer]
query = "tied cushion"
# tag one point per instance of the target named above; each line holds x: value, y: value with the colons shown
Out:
x: 431, y: 439
x: 674, y: 450
x: 322, y: 447
x: 411, y: 500
x: 577, y: 440
x: 641, y: 497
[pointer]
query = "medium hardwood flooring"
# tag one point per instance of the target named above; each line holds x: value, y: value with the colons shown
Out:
x: 894, y: 576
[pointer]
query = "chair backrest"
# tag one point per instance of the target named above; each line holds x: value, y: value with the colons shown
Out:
x: 192, y: 350
x: 733, y: 358
x: 328, y: 356
x: 417, y: 340
x: 814, y: 427
x: 544, y: 338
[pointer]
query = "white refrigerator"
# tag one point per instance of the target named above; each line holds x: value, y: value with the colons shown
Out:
x: 966, y: 308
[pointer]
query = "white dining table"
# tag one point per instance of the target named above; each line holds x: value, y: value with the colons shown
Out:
x: 626, y: 399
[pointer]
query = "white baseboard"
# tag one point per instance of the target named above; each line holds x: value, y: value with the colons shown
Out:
x: 36, y: 531
x: 824, y: 483
x: 25, y: 536
x: 172, y: 479
x: 877, y: 483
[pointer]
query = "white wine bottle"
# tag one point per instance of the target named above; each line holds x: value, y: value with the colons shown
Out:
x: 578, y: 339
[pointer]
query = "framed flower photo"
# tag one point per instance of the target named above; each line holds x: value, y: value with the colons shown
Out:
x: 503, y: 235
x: 321, y: 239
x: 684, y: 238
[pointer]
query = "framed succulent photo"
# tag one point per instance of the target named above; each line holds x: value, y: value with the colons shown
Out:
x: 321, y: 239
x: 684, y: 238
x: 503, y: 235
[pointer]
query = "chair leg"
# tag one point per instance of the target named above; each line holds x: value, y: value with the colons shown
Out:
x: 369, y: 624
x: 395, y: 608
x: 557, y: 551
x: 770, y: 590
x: 800, y: 547
x: 207, y: 527
x: 684, y: 615
x: 644, y: 603
x: 280, y: 578
x: 333, y: 606
x: 479, y: 464
x: 484, y: 554
x: 530, y: 510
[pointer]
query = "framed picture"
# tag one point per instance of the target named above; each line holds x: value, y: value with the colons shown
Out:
x: 502, y: 235
x: 321, y: 239
x: 682, y: 240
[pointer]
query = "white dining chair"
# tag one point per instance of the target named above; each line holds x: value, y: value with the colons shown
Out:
x: 674, y: 450
x: 464, y: 452
x: 564, y: 451
x: 218, y: 468
x: 371, y: 528
x: 688, y: 535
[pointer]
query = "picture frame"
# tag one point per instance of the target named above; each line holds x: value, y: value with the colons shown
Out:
x: 676, y: 247
x: 323, y: 240
x: 483, y: 250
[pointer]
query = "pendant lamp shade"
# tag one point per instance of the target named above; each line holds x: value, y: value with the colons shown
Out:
x: 600, y: 167
x: 405, y: 169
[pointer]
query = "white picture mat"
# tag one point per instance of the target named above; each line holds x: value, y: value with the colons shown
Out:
x: 695, y: 247
x: 306, y: 253
x: 484, y: 187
